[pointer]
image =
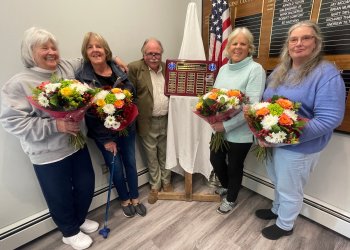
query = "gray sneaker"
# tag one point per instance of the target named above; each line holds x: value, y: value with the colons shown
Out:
x: 128, y: 211
x: 225, y: 206
x: 221, y: 191
x: 140, y: 209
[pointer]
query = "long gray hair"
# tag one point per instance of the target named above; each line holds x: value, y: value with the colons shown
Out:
x: 286, y: 61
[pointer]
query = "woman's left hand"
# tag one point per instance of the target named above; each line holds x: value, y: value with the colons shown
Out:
x: 218, y: 127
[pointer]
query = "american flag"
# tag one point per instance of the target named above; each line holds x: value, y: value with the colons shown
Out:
x: 220, y: 29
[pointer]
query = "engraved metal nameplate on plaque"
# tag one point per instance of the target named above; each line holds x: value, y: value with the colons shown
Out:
x: 189, y: 77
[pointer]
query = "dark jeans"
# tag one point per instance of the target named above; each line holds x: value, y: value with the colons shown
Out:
x: 68, y: 187
x: 230, y: 171
x: 124, y: 161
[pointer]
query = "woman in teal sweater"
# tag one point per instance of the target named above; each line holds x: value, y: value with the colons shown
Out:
x: 242, y: 73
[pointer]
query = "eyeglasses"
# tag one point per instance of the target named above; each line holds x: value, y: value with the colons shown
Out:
x: 157, y: 55
x: 303, y: 39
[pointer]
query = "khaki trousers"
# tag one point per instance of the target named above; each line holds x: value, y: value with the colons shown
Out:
x: 154, y: 145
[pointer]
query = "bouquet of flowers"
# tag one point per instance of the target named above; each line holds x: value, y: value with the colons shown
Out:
x: 64, y: 98
x: 274, y: 122
x: 219, y: 105
x: 115, y: 108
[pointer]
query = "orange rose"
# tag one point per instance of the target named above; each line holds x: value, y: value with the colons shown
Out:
x: 285, y: 120
x: 231, y: 93
x: 215, y: 90
x: 213, y: 96
x: 263, y: 111
x: 284, y: 103
x: 119, y: 104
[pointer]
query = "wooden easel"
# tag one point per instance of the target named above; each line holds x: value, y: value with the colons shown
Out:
x: 188, y: 195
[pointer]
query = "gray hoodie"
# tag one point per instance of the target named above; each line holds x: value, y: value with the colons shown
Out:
x: 36, y: 130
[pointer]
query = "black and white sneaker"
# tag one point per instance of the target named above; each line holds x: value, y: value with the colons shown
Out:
x: 226, y: 206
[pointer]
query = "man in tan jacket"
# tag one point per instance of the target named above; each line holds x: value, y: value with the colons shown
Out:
x: 147, y: 75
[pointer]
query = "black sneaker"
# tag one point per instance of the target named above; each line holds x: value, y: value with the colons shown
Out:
x: 265, y: 214
x: 129, y: 211
x: 274, y: 232
x: 140, y: 209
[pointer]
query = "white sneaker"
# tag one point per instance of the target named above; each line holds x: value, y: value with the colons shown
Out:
x: 79, y: 241
x: 89, y: 226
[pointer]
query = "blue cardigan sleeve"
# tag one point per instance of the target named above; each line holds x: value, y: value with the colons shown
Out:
x: 329, y: 108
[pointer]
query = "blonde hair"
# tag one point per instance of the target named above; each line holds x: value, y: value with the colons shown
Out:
x: 101, y: 40
x: 247, y: 34
x: 286, y: 61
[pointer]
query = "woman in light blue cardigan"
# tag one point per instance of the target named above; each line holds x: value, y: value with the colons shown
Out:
x: 242, y: 73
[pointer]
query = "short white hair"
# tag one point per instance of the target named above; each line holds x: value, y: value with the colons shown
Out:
x: 32, y: 37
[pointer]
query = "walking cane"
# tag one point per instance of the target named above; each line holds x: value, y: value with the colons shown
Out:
x: 105, y: 230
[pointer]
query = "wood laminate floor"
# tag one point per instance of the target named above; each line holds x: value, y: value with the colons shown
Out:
x: 181, y: 225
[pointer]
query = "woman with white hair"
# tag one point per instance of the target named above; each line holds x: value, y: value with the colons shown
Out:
x: 242, y: 73
x: 65, y: 174
x: 302, y: 76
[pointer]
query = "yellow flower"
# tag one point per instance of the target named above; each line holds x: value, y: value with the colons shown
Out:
x: 100, y: 102
x: 67, y: 91
x: 127, y: 93
x: 199, y: 105
x: 116, y: 90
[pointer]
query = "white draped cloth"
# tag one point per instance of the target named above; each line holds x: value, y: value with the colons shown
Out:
x: 192, y: 44
x: 188, y: 135
x: 187, y: 138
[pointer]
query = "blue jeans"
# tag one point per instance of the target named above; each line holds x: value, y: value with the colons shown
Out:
x: 289, y: 171
x: 68, y: 187
x: 125, y: 161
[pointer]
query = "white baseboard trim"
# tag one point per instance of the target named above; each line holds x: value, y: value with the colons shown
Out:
x: 37, y: 225
x: 318, y: 211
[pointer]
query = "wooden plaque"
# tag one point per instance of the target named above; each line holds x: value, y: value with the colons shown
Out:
x: 189, y: 77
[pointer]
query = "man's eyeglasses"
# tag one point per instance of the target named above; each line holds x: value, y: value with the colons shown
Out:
x: 303, y: 39
x: 157, y: 55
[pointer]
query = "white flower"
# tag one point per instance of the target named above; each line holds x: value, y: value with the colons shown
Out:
x: 234, y: 100
x: 79, y: 87
x: 116, y: 125
x: 43, y: 101
x: 225, y: 97
x: 51, y: 87
x: 260, y: 105
x: 276, y: 137
x: 109, y: 121
x: 268, y: 121
x: 101, y: 95
x: 291, y: 114
x: 109, y: 109
x: 120, y: 96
